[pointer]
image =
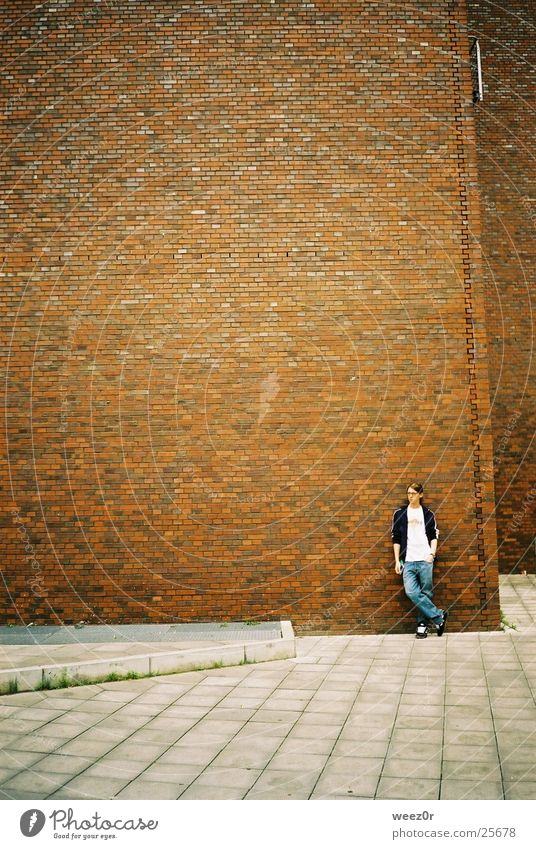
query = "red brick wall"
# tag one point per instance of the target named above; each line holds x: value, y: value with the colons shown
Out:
x: 242, y: 310
x: 506, y: 166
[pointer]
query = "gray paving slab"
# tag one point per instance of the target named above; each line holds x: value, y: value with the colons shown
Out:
x: 472, y: 770
x: 295, y: 745
x: 143, y: 789
x: 200, y: 791
x: 238, y: 777
x: 520, y: 790
x: 282, y: 785
x: 332, y: 784
x: 475, y: 754
x: 408, y: 788
x: 416, y: 767
x: 465, y: 790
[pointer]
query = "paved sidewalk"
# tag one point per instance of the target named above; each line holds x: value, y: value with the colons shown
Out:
x: 385, y: 717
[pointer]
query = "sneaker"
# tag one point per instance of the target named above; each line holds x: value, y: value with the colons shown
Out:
x: 441, y: 627
x: 422, y: 631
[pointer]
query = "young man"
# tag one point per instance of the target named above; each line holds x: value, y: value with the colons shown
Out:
x: 414, y: 536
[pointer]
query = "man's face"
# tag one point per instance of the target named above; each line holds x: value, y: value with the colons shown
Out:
x: 414, y: 498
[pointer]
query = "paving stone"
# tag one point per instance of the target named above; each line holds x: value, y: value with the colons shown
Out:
x: 412, y: 767
x: 283, y: 785
x: 341, y: 784
x: 31, y: 782
x: 407, y: 788
x: 136, y: 710
x: 37, y: 743
x: 474, y: 790
x: 6, y: 773
x: 319, y: 718
x: 314, y: 731
x: 227, y: 727
x: 297, y: 762
x: 194, y: 738
x: 19, y: 794
x: 22, y: 699
x: 20, y: 759
x: 142, y: 789
x: 107, y: 767
x: 365, y: 733
x: 132, y: 749
x: 261, y: 730
x: 7, y: 710
x: 520, y: 790
x: 291, y: 704
x: 468, y: 738
x: 123, y: 723
x: 425, y: 723
x: 249, y: 702
x: 473, y: 754
x: 151, y: 698
x: 93, y: 787
x: 371, y: 719
x: 472, y: 770
x: 515, y: 770
x: 38, y: 713
x: 112, y: 693
x: 9, y: 739
x: 62, y: 764
x: 154, y: 736
x: 94, y: 707
x: 79, y: 719
x: 435, y: 710
x: 293, y: 745
x: 235, y: 714
x: 243, y: 754
x: 361, y: 748
x: 180, y: 774
x: 415, y: 750
x: 202, y: 754
x: 211, y: 688
x: 347, y: 683
x: 200, y: 791
x: 514, y: 724
x: 235, y: 777
x: 285, y: 717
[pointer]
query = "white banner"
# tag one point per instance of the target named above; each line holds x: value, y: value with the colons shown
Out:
x: 258, y: 825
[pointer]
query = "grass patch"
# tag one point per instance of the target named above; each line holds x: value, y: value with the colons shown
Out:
x: 64, y: 680
x: 506, y: 622
x: 10, y: 688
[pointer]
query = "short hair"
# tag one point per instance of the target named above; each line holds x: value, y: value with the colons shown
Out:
x: 418, y: 487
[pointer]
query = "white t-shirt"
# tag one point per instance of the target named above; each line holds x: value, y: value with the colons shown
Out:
x: 418, y: 545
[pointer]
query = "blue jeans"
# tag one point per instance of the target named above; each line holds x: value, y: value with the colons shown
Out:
x: 417, y: 576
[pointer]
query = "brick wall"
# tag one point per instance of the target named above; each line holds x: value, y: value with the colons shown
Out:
x: 242, y: 310
x: 505, y: 133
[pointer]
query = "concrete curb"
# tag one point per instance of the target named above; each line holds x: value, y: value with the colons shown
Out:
x: 49, y: 676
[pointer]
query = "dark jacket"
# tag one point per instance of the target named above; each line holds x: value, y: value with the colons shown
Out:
x: 399, y: 531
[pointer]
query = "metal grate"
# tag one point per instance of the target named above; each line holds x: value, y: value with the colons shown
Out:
x: 196, y: 631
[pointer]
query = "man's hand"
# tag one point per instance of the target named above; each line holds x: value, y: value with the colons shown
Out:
x: 430, y: 558
x: 398, y: 568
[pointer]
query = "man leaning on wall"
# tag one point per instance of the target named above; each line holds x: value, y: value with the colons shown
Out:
x: 414, y: 535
